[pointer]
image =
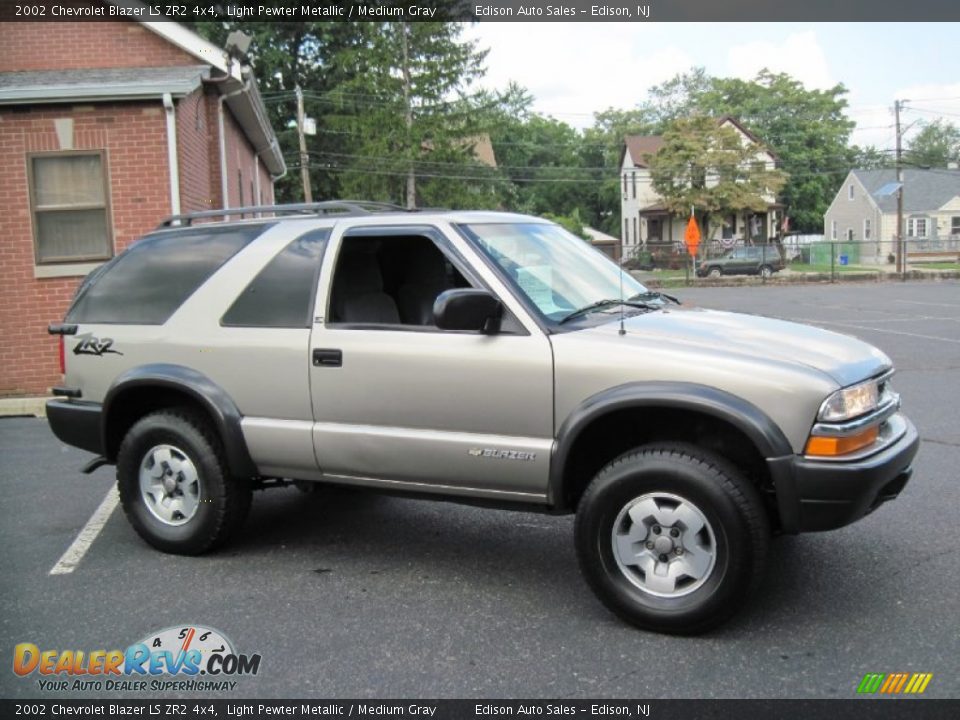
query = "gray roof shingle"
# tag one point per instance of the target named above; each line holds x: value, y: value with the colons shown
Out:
x: 923, y: 190
x: 99, y: 83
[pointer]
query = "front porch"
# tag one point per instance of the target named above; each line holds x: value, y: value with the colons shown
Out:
x: 659, y: 227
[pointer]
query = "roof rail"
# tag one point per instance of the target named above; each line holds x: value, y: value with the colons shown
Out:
x: 327, y: 207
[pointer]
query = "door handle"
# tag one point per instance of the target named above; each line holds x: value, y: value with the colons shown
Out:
x: 327, y: 358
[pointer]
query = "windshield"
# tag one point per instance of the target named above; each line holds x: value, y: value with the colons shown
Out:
x: 556, y: 271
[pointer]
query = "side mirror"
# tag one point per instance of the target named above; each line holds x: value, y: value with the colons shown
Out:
x: 468, y: 309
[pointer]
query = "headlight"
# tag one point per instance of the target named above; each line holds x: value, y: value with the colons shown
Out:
x: 851, y: 402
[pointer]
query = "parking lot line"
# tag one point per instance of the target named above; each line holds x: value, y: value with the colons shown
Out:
x: 78, y: 548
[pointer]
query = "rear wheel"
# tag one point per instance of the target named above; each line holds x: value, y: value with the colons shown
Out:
x: 174, y: 484
x: 714, y: 272
x: 766, y: 271
x: 671, y: 538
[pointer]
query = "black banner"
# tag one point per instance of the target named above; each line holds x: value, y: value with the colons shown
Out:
x: 482, y: 10
x: 888, y: 709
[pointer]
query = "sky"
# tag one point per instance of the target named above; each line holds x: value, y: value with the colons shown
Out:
x: 576, y: 69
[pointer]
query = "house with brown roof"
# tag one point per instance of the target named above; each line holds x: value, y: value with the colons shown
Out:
x: 647, y: 221
x: 106, y: 128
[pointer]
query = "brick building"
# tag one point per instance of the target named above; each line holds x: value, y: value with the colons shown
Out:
x: 105, y: 129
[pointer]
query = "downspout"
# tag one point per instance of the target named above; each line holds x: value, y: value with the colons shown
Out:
x: 224, y: 186
x: 172, y: 160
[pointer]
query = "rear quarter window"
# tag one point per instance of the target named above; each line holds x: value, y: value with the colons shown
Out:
x: 148, y: 282
x: 283, y: 293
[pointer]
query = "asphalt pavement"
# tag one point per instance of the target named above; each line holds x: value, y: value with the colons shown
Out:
x: 357, y: 595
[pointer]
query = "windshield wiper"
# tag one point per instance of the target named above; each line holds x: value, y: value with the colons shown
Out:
x: 655, y: 295
x: 600, y: 304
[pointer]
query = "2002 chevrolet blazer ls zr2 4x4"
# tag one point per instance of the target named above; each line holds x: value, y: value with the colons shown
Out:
x: 484, y: 357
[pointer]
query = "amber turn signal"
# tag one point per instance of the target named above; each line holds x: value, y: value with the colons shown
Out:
x: 834, y: 446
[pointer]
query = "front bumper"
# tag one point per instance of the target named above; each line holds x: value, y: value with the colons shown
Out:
x: 822, y: 495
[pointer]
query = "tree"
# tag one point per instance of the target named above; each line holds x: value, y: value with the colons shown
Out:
x: 806, y: 129
x: 935, y: 146
x: 869, y: 158
x: 408, y: 114
x: 707, y: 167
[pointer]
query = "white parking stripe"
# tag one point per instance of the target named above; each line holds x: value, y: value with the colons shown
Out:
x: 78, y: 548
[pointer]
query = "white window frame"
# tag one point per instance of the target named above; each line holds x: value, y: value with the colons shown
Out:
x: 913, y: 227
x: 850, y: 235
x: 833, y: 229
x: 850, y: 192
x: 867, y: 229
x: 955, y: 225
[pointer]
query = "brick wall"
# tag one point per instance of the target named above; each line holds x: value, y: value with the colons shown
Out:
x: 72, y: 45
x: 139, y: 197
x: 133, y: 134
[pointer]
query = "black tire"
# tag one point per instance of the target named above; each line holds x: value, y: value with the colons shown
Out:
x: 714, y: 272
x: 766, y: 271
x: 224, y: 500
x: 730, y: 505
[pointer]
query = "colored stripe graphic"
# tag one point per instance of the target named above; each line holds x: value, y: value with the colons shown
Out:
x: 870, y: 683
x: 895, y: 683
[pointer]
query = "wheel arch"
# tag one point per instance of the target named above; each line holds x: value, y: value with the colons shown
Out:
x: 601, y: 420
x: 146, y: 388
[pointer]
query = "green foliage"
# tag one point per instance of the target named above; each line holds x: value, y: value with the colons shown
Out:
x: 706, y: 166
x: 936, y: 145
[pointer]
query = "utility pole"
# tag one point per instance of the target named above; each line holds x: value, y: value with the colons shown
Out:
x: 901, y: 259
x: 408, y: 116
x: 304, y: 155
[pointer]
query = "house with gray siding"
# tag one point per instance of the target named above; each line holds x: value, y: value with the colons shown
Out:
x: 864, y: 211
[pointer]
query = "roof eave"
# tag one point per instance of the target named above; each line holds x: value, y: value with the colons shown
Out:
x: 48, y: 95
x: 248, y: 110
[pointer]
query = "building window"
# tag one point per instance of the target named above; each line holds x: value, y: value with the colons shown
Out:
x: 636, y: 236
x: 626, y: 230
x: 833, y: 230
x: 633, y: 179
x: 850, y: 237
x: 955, y: 225
x: 624, y: 186
x: 69, y: 200
x: 917, y: 227
x: 850, y: 192
x: 866, y: 229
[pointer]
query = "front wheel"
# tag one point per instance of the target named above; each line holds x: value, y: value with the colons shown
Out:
x: 766, y: 271
x: 174, y: 484
x: 671, y: 538
x: 714, y: 272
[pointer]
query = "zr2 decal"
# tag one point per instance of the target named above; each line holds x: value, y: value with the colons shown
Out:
x: 90, y: 345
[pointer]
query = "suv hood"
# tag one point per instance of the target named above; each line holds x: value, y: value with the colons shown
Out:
x: 845, y: 359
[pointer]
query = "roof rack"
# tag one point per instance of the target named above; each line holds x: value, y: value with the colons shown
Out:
x: 328, y: 207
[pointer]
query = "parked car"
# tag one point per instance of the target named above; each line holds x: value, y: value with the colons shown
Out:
x: 481, y: 357
x: 763, y: 260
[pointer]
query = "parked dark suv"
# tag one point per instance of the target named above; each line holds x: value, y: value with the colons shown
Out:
x: 762, y: 260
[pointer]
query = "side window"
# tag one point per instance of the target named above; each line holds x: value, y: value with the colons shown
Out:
x: 390, y: 280
x: 146, y: 284
x: 282, y: 294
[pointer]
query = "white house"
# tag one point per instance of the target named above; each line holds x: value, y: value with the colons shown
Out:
x: 865, y: 211
x: 646, y: 221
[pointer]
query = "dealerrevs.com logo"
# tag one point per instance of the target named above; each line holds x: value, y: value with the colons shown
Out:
x: 181, y: 658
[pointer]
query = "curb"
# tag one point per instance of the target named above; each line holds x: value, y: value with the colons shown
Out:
x: 23, y: 406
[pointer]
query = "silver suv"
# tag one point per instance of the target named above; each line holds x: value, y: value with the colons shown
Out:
x: 484, y: 357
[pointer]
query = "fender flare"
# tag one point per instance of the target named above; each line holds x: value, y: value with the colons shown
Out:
x: 214, y: 399
x: 763, y: 432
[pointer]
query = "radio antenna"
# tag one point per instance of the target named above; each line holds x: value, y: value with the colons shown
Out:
x: 622, y: 330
